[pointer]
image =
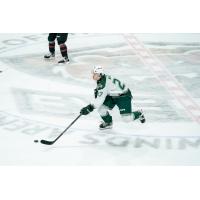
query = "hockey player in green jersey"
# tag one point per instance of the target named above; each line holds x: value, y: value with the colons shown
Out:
x: 108, y: 93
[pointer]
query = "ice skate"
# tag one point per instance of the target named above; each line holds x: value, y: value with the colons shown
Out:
x: 63, y: 61
x: 105, y: 125
x: 49, y: 56
x: 141, y: 117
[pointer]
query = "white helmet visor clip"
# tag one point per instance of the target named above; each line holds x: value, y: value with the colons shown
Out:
x: 98, y: 70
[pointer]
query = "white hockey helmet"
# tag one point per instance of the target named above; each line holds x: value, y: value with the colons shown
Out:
x: 98, y: 70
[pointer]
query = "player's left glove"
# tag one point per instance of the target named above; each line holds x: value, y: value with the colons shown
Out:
x: 86, y: 110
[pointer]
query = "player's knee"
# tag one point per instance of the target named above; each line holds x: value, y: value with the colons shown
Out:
x: 126, y: 118
x: 61, y: 38
x: 102, y: 110
x: 51, y: 38
x: 60, y: 41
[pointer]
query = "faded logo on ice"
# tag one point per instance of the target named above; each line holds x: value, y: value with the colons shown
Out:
x: 149, y: 95
x: 152, y: 142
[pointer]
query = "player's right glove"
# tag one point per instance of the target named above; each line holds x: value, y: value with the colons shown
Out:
x: 86, y: 110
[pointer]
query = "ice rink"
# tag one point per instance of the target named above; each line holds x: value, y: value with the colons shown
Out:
x: 40, y: 98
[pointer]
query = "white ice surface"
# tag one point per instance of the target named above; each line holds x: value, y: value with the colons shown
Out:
x: 39, y: 95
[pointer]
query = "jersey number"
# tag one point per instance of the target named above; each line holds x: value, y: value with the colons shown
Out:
x: 100, y: 93
x: 121, y: 86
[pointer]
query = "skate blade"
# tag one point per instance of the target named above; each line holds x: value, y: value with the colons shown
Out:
x: 109, y: 127
x: 49, y: 59
x: 63, y: 63
x: 143, y: 120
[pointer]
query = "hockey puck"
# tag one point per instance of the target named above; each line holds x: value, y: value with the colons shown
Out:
x: 36, y: 141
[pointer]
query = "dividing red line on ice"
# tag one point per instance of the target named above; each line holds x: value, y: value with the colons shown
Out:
x: 165, y: 77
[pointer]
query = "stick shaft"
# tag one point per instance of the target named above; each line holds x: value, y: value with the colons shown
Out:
x: 67, y: 128
x: 52, y: 142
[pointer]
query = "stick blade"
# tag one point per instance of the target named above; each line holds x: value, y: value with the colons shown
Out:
x: 47, y: 142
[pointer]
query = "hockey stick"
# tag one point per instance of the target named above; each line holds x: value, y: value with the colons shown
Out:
x: 52, y: 142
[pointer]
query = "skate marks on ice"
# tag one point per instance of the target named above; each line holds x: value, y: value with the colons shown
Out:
x: 47, y: 102
x: 165, y: 77
x: 131, y: 137
x: 112, y: 51
x: 124, y: 144
x: 3, y: 67
x: 34, y: 65
x: 114, y: 56
x: 57, y: 103
x: 17, y: 124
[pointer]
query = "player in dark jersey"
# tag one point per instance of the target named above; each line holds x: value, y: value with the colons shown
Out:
x: 61, y: 39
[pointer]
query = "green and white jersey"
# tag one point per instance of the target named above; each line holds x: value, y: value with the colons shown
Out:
x: 108, y: 85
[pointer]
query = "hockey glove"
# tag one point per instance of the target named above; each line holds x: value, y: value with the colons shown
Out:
x: 86, y: 110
